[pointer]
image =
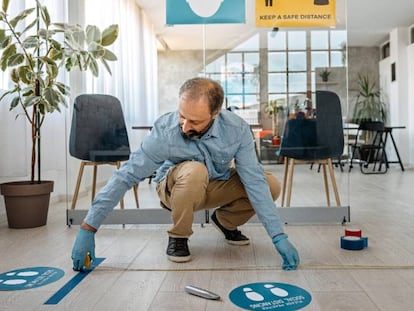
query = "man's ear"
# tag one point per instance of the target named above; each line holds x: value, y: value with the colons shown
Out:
x: 215, y: 115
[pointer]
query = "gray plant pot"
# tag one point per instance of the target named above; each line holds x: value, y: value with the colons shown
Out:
x: 27, y: 204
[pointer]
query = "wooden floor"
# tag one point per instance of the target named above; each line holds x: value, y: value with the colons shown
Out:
x: 136, y: 274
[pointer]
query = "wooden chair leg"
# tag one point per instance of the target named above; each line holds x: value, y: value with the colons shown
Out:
x: 135, y: 188
x: 121, y: 203
x: 95, y: 173
x: 333, y: 181
x: 325, y: 182
x: 286, y: 164
x: 78, y: 183
x: 290, y: 180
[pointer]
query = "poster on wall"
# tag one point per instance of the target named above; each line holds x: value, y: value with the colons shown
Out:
x: 205, y: 12
x: 295, y: 13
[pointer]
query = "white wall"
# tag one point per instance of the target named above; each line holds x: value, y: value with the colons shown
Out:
x: 410, y: 101
x: 399, y: 93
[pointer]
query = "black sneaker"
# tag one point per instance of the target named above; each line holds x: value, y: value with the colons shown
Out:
x: 177, y: 250
x: 234, y: 237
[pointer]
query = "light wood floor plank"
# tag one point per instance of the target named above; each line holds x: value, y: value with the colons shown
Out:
x: 136, y: 275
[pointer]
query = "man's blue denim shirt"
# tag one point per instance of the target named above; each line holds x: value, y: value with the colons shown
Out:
x: 228, y: 138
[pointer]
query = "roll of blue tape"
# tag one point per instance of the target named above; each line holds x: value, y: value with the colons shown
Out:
x: 353, y: 243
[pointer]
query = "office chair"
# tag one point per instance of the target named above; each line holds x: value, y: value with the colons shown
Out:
x: 98, y: 136
x: 314, y: 141
x: 371, y: 153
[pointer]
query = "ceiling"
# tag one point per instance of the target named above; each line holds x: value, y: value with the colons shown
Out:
x: 368, y: 22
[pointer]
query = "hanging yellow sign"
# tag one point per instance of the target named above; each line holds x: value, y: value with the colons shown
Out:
x: 295, y: 13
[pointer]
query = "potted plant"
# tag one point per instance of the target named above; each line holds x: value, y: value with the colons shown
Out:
x: 324, y: 74
x: 37, y: 52
x: 272, y: 109
x: 369, y: 105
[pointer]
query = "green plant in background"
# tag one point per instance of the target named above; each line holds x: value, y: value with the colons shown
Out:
x: 36, y: 51
x: 272, y: 109
x: 369, y: 105
x: 324, y: 74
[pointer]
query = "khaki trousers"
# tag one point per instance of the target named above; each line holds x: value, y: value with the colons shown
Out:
x: 187, y: 189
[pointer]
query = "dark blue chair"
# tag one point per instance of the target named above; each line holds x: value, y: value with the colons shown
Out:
x: 318, y: 140
x: 98, y: 136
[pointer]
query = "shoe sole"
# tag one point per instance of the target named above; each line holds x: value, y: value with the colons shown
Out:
x: 231, y: 242
x: 179, y: 258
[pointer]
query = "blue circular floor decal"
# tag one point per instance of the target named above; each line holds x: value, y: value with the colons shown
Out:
x: 270, y: 296
x: 29, y: 278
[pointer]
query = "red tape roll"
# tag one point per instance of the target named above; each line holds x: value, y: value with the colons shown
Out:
x: 353, y: 232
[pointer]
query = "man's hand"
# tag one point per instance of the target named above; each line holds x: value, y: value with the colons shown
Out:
x: 287, y: 251
x: 84, y: 244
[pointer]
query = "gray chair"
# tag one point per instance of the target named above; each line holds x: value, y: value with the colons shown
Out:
x: 98, y: 136
x: 317, y: 141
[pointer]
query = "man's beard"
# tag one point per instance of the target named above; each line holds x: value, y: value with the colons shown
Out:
x: 193, y: 135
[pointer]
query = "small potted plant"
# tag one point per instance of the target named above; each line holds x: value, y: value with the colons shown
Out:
x: 36, y: 51
x: 324, y: 74
x: 272, y: 109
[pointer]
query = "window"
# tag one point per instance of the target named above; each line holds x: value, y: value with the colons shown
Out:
x: 289, y: 67
x: 385, y: 50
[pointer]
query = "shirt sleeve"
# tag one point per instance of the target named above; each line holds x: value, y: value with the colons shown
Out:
x: 141, y: 164
x: 253, y: 178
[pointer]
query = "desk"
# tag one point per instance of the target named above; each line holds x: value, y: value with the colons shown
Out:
x: 388, y: 133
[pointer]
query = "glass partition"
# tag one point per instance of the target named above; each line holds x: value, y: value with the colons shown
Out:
x: 269, y: 75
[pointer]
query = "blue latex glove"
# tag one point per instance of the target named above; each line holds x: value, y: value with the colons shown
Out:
x: 84, y: 244
x: 288, y: 252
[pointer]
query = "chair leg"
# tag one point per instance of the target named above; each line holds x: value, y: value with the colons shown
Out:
x: 135, y: 188
x: 78, y: 182
x: 95, y: 173
x: 286, y: 165
x: 333, y: 181
x: 121, y: 203
x: 290, y: 180
x: 325, y: 182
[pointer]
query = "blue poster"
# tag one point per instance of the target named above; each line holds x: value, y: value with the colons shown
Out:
x: 28, y: 278
x: 205, y: 12
x: 270, y: 296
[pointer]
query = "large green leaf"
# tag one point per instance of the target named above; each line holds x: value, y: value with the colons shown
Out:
x: 51, y: 67
x: 5, y: 5
x: 8, y: 51
x: 20, y: 17
x: 30, y: 26
x: 5, y: 42
x: 106, y: 65
x: 31, y: 100
x: 93, y: 34
x: 93, y: 66
x: 14, y: 103
x: 52, y: 99
x: 96, y: 50
x: 63, y: 88
x: 45, y: 14
x: 30, y: 42
x: 56, y: 54
x: 109, y: 55
x: 2, y: 34
x: 15, y: 59
x: 11, y: 91
x: 24, y: 73
x: 14, y: 75
x: 109, y: 35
